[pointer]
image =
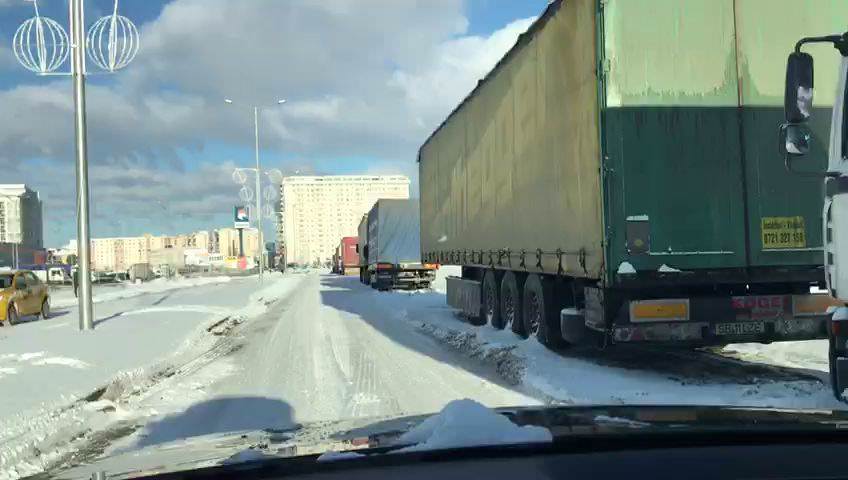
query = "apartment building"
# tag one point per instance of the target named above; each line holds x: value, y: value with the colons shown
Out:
x: 20, y: 216
x: 117, y: 254
x: 316, y: 212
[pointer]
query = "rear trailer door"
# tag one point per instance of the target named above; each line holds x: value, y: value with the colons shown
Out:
x: 673, y: 176
x: 693, y: 176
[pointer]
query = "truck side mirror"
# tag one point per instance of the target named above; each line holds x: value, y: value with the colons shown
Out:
x: 798, y: 97
x: 796, y: 139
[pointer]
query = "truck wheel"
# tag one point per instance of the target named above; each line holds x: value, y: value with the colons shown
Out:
x: 511, y: 303
x: 490, y: 302
x: 541, y: 319
x: 367, y: 278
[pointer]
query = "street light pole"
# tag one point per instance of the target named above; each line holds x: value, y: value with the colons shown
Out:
x: 260, y: 247
x: 258, y: 170
x: 86, y: 305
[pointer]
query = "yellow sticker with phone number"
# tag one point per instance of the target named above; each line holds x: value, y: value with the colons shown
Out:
x: 783, y: 232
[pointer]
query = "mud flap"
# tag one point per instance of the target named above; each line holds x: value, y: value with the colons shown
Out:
x: 572, y: 324
x: 464, y: 294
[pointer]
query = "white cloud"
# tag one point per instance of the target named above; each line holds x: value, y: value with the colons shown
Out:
x: 434, y: 87
x: 362, y: 78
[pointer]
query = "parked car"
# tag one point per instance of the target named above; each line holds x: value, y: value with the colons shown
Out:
x: 22, y: 294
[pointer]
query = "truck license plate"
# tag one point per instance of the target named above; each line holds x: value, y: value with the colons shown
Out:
x: 740, y: 328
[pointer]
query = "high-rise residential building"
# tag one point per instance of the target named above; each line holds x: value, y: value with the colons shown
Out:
x: 20, y: 216
x: 316, y: 212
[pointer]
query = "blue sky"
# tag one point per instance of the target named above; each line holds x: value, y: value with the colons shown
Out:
x: 362, y: 96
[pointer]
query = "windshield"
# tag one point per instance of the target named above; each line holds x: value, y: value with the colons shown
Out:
x: 242, y: 216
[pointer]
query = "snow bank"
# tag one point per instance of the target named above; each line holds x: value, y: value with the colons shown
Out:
x: 466, y: 423
x: 102, y: 293
x: 810, y: 354
x: 625, y: 374
x: 73, y: 385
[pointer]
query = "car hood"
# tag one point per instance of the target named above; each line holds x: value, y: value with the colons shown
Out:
x: 378, y: 435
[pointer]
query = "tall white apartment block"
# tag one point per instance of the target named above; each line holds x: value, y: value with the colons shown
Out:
x: 316, y: 212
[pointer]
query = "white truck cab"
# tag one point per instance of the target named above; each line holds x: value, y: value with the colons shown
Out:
x: 798, y: 103
x: 836, y: 200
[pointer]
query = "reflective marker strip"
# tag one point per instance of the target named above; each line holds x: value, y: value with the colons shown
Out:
x: 814, y: 304
x: 659, y: 310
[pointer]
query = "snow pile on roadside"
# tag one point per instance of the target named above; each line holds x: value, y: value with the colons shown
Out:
x: 618, y: 375
x: 65, y: 298
x: 810, y: 354
x: 59, y: 430
x: 466, y: 423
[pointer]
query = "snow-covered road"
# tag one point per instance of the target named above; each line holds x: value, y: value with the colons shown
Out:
x: 326, y: 352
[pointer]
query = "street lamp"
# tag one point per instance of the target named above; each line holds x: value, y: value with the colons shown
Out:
x: 42, y: 46
x: 275, y: 177
x: 258, y: 171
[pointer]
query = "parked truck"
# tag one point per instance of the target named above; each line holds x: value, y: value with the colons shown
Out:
x: 393, y: 247
x: 797, y: 140
x: 362, y: 250
x: 348, y: 256
x: 608, y: 182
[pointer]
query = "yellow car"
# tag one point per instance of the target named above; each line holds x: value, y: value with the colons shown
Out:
x: 21, y: 294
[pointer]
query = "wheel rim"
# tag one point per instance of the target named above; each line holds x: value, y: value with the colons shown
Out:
x: 509, y: 309
x: 45, y: 309
x: 534, y: 314
x: 490, y: 303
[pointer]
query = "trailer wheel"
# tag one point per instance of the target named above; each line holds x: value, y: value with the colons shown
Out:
x: 490, y: 301
x: 511, y: 305
x: 540, y: 316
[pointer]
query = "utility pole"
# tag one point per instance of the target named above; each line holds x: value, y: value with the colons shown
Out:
x: 259, y: 247
x: 274, y: 175
x: 86, y: 305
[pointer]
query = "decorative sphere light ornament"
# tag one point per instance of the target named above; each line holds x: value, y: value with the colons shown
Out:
x: 268, y: 193
x: 112, y: 41
x: 246, y: 194
x: 239, y: 177
x: 267, y: 211
x: 40, y: 44
x: 275, y: 175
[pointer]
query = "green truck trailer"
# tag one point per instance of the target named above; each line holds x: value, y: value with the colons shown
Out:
x: 617, y: 176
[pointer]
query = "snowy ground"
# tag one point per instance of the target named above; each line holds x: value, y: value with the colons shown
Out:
x: 216, y: 357
x: 63, y: 296
x: 778, y: 375
x: 139, y: 331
